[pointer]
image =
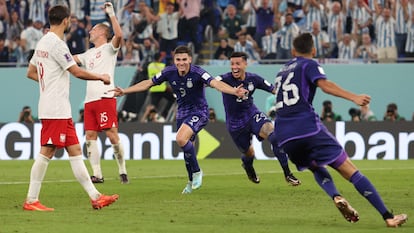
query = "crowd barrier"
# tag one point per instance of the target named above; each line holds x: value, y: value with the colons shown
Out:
x: 156, y: 141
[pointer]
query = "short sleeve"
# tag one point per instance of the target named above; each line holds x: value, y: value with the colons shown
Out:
x: 315, y: 71
x: 206, y: 78
x: 159, y: 78
x: 63, y: 56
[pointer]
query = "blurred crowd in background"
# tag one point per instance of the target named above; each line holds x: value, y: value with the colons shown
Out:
x: 360, y: 30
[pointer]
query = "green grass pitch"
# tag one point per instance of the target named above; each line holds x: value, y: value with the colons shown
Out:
x: 227, y: 202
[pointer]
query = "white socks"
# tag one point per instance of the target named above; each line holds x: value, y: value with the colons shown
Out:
x: 94, y: 157
x: 119, y: 157
x: 37, y: 174
x: 82, y: 175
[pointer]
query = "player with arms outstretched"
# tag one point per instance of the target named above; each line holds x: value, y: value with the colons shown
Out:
x: 307, y: 141
x: 244, y: 119
x: 188, y: 82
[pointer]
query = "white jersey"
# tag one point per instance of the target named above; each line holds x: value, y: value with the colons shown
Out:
x: 52, y: 59
x: 99, y: 60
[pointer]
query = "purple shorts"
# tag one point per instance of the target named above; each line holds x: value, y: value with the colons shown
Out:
x: 243, y: 137
x: 315, y: 151
x: 196, y: 123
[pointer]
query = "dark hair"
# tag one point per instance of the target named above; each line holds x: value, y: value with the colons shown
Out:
x: 212, y: 114
x: 392, y: 107
x: 303, y: 43
x: 57, y: 14
x: 183, y: 49
x: 157, y: 56
x: 354, y: 112
x: 327, y: 107
x: 239, y: 54
x: 326, y: 103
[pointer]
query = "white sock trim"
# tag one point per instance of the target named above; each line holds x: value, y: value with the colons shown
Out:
x: 81, y: 173
x: 94, y: 157
x: 37, y: 174
x: 119, y: 157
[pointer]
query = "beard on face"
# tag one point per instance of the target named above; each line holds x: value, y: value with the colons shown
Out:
x: 67, y: 29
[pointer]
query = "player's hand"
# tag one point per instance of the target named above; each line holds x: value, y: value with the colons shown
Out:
x: 241, y: 92
x: 109, y: 9
x: 362, y: 99
x: 117, y: 91
x: 106, y: 79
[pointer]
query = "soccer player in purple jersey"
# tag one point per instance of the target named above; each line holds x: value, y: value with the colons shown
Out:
x: 307, y: 141
x: 244, y: 119
x: 188, y: 82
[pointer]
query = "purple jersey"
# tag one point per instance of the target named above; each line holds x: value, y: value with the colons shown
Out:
x: 189, y: 89
x: 295, y: 89
x: 239, y: 111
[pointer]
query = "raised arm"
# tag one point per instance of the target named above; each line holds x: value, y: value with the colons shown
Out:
x: 315, y: 4
x: 333, y: 89
x: 253, y: 4
x: 406, y: 15
x: 275, y: 6
x: 116, y: 39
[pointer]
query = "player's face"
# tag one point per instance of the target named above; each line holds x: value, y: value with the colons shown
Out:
x: 238, y: 67
x: 182, y: 61
x: 94, y: 33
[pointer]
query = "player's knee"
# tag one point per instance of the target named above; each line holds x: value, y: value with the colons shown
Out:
x: 266, y: 130
x: 249, y: 152
x: 181, y: 141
